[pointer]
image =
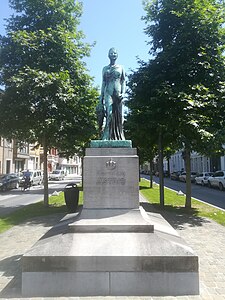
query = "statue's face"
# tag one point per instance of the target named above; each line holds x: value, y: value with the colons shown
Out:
x: 113, y: 54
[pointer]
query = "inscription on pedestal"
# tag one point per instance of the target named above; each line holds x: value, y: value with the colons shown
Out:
x: 116, y: 179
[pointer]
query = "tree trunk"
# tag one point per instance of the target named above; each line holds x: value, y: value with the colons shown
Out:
x: 151, y: 176
x: 161, y: 178
x: 46, y: 200
x: 82, y: 171
x: 168, y: 161
x: 188, y: 177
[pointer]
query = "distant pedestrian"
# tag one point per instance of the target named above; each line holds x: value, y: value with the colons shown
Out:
x: 27, y: 181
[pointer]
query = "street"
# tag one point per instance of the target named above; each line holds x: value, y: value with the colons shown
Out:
x: 16, y: 198
x: 203, y: 193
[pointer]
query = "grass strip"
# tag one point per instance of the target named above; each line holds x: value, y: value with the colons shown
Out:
x: 56, y: 205
x: 175, y: 203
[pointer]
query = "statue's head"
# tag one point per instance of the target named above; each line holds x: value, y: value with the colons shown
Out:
x: 113, y: 54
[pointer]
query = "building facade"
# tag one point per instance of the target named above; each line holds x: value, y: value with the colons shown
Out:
x: 71, y: 165
x: 20, y: 156
x: 199, y: 163
x: 17, y: 156
x: 6, y: 156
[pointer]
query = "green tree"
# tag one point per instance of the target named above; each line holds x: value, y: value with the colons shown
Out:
x: 183, y: 80
x: 49, y: 97
x: 145, y: 143
x: 152, y: 109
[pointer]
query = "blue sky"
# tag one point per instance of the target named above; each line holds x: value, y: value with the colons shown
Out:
x: 115, y: 23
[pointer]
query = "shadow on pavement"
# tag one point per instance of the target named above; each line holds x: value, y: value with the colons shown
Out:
x: 58, y: 221
x: 176, y: 216
x: 10, y: 267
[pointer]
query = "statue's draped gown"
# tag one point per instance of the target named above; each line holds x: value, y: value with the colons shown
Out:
x: 114, y: 79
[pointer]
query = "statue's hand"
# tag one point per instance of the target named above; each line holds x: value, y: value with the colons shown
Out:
x: 100, y: 111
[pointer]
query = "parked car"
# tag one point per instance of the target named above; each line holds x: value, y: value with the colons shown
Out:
x: 193, y: 176
x: 57, y: 175
x: 147, y: 172
x: 202, y: 178
x: 166, y: 173
x: 36, y: 177
x: 217, y: 180
x: 175, y: 175
x: 8, y: 182
x: 182, y: 176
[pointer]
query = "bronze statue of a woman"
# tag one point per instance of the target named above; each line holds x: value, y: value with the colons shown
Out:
x: 112, y: 94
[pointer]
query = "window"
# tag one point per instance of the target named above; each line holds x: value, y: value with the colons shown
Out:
x: 219, y: 174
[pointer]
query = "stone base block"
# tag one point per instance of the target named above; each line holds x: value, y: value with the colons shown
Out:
x: 100, y: 262
x: 111, y: 220
x: 66, y: 284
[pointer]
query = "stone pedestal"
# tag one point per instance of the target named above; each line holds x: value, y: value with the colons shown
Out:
x: 111, y: 178
x: 113, y: 247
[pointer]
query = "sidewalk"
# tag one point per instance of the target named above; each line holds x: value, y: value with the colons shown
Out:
x: 206, y: 237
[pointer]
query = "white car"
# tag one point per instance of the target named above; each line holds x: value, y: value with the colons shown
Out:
x: 217, y: 180
x: 202, y: 178
x: 57, y: 175
x: 182, y: 176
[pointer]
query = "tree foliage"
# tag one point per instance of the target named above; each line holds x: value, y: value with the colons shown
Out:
x: 181, y: 87
x: 48, y: 90
x: 49, y: 97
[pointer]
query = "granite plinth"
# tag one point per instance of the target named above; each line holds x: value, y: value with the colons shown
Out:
x: 111, y: 144
x: 113, y: 248
x: 111, y: 220
x: 69, y: 263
